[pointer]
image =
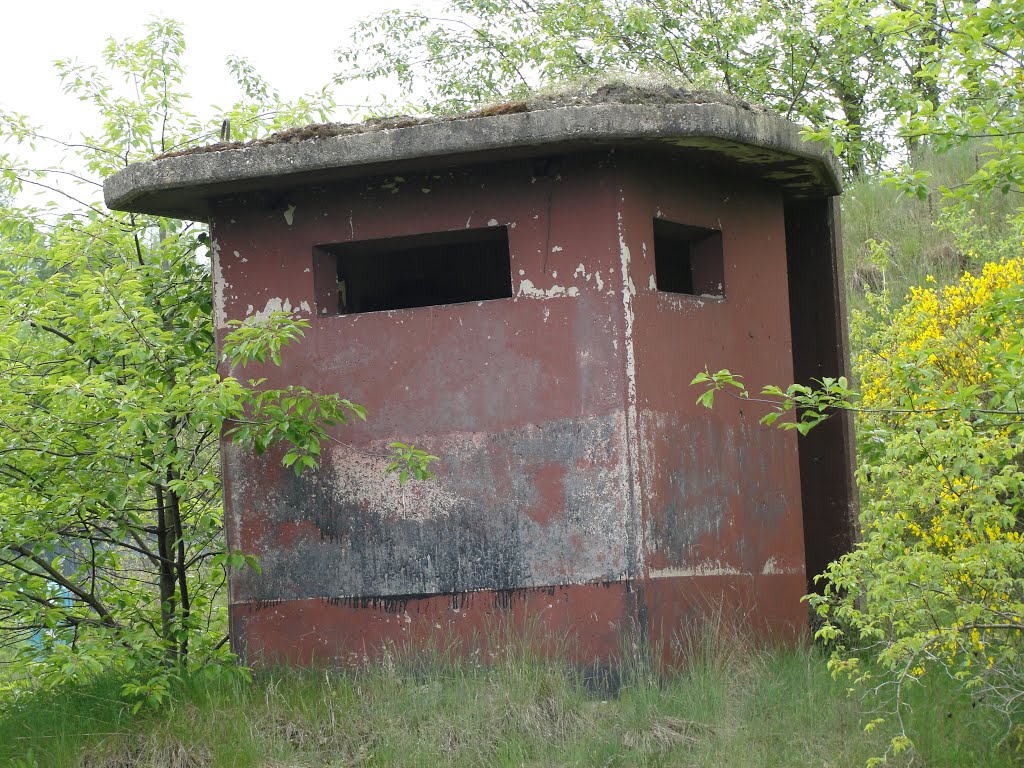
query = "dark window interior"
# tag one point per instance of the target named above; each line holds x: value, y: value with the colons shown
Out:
x: 417, y: 271
x: 688, y: 259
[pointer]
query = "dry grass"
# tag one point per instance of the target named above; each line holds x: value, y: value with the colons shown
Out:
x: 146, y: 750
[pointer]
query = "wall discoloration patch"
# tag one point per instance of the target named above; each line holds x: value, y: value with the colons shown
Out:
x: 714, y: 505
x: 497, y: 517
x: 220, y: 319
x: 599, y: 617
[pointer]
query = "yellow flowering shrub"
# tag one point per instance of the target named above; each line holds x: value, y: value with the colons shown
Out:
x: 937, y: 320
x: 936, y: 583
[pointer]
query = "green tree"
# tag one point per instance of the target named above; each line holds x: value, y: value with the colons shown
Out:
x: 936, y: 586
x: 111, y: 409
x: 844, y: 69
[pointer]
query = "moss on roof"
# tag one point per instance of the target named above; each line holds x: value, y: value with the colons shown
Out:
x: 614, y: 92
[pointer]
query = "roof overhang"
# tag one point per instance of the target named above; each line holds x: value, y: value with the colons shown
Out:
x: 760, y: 144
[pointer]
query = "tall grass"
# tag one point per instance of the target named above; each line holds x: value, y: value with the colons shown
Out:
x: 734, y: 704
x: 912, y: 239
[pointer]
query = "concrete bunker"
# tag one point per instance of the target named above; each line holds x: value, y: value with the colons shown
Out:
x: 526, y: 292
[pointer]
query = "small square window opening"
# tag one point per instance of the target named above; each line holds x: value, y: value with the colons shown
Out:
x: 688, y: 259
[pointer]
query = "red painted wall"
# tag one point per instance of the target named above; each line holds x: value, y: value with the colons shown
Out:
x: 720, y: 492
x: 579, y: 486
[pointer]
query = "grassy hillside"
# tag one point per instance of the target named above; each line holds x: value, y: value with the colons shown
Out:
x: 892, y: 241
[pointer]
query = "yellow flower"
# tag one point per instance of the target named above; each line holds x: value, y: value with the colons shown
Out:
x: 930, y: 322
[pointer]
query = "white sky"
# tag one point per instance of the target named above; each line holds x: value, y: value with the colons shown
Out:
x: 291, y: 44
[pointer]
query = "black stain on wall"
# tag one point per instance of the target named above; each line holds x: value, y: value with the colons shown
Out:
x: 483, y: 540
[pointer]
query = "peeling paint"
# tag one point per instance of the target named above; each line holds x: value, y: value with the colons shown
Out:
x: 772, y: 567
x: 220, y: 318
x: 710, y: 568
x: 528, y: 290
x: 272, y: 305
x: 581, y: 271
x: 684, y: 303
x: 632, y: 432
x: 289, y: 214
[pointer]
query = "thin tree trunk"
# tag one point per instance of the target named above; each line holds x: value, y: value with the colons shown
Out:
x: 166, y: 570
x: 851, y: 101
x: 174, y: 507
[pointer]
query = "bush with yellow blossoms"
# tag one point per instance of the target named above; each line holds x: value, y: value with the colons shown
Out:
x: 935, y: 585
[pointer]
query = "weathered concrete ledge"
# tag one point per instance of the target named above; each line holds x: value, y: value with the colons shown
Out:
x: 714, y: 133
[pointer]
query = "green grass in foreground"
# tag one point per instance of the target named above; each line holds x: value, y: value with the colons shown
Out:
x: 732, y: 707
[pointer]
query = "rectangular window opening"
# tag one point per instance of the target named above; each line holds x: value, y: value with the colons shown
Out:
x: 415, y: 271
x: 688, y: 259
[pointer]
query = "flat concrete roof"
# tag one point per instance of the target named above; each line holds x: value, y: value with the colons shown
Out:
x: 708, y: 128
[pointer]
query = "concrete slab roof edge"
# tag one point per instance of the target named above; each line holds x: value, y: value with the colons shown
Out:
x: 768, y: 146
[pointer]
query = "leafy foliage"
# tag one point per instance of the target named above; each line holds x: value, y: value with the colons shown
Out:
x: 936, y: 584
x: 846, y: 70
x: 976, y: 74
x: 812, y: 404
x: 111, y: 409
